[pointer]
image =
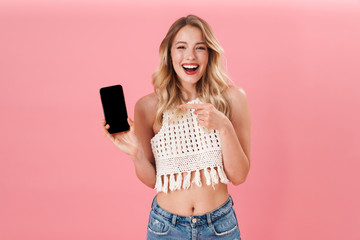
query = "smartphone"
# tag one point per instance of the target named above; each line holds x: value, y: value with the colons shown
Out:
x: 113, y: 102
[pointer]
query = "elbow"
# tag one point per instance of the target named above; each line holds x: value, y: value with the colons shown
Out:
x: 149, y: 182
x: 238, y: 178
x: 237, y: 181
x: 152, y: 185
x: 237, y: 173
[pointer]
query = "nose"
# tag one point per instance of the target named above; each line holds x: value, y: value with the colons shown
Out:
x: 190, y: 54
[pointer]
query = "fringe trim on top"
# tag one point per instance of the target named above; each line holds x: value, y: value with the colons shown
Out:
x: 186, y: 183
x: 197, y: 179
x: 222, y: 175
x: 166, y: 183
x: 172, y: 182
x: 211, y: 177
x: 178, y: 182
x: 214, y: 176
x: 207, y: 176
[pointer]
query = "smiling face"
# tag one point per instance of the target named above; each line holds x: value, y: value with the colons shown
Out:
x: 189, y: 55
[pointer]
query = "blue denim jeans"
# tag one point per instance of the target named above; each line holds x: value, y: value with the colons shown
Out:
x: 218, y: 224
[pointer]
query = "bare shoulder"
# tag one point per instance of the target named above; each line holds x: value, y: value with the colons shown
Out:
x: 237, y: 95
x: 238, y: 102
x: 146, y: 106
x: 148, y: 102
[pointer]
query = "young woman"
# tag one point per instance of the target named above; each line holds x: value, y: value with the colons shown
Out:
x: 190, y: 138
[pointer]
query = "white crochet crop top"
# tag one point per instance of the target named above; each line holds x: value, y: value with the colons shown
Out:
x: 182, y: 147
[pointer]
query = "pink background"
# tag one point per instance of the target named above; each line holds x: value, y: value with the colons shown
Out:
x: 299, y: 64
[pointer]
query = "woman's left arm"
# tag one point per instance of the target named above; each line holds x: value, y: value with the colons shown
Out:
x: 235, y: 137
x: 234, y: 132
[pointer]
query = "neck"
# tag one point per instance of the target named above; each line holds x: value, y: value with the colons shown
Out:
x: 189, y: 92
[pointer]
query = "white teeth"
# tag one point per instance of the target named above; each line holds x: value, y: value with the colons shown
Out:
x: 190, y: 66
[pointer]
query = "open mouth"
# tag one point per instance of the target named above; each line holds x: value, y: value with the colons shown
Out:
x: 189, y: 69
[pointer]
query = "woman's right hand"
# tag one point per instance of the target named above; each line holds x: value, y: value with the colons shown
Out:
x: 127, y: 141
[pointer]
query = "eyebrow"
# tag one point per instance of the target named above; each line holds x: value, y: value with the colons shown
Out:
x: 183, y: 42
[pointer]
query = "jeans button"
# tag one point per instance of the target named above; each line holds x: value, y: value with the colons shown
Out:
x: 194, y: 220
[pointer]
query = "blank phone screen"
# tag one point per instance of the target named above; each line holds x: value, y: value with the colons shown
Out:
x: 114, y: 107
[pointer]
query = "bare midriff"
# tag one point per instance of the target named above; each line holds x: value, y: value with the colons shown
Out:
x: 195, y: 200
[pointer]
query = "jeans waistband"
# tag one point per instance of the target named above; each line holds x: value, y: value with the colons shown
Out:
x: 196, y: 219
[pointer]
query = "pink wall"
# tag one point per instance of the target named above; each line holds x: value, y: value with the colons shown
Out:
x: 299, y: 64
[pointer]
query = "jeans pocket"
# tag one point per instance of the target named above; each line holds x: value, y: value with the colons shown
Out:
x: 225, y: 224
x: 158, y: 225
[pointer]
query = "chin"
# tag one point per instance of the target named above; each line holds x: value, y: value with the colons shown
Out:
x: 190, y: 81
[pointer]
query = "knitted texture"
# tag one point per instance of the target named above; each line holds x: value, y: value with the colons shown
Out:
x: 183, y: 146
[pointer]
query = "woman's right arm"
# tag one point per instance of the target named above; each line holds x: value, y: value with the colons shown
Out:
x: 136, y: 141
x: 144, y: 118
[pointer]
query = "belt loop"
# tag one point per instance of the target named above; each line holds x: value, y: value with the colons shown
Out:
x: 232, y: 202
x: 208, y: 216
x: 153, y: 202
x: 173, y: 221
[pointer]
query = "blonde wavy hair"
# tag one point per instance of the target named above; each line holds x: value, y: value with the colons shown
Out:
x: 210, y: 88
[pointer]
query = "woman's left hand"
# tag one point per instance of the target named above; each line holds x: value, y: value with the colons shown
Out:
x: 207, y: 115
